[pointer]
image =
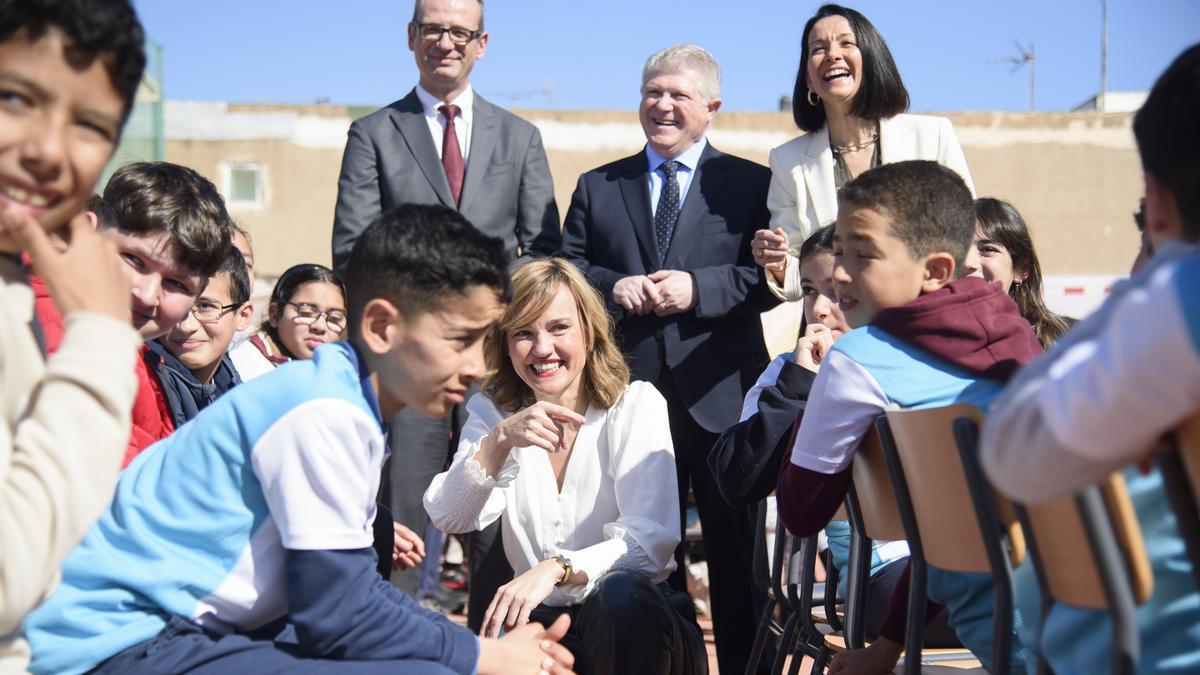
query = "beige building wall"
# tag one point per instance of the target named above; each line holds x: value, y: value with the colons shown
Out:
x: 1074, y: 176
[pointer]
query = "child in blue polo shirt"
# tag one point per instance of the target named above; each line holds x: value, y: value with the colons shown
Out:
x: 1112, y: 387
x: 243, y: 542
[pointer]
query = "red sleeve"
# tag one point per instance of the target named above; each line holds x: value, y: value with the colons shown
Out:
x: 151, y: 419
x: 807, y: 499
x: 895, y: 622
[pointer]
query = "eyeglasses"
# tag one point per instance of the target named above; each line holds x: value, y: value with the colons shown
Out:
x: 308, y: 313
x: 459, y: 37
x: 207, y: 311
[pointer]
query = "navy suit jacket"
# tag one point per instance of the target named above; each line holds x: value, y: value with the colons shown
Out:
x: 714, y: 351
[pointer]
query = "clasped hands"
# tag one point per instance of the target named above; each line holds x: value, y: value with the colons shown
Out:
x: 663, y: 292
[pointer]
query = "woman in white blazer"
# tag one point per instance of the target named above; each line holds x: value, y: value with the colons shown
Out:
x: 850, y: 100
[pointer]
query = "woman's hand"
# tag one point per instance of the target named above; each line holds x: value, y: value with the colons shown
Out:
x: 812, y: 348
x: 770, y: 248
x: 541, y: 425
x: 407, y: 549
x: 516, y: 599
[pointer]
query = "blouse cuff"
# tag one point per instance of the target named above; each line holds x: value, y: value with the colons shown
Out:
x: 594, y: 561
x: 477, y: 476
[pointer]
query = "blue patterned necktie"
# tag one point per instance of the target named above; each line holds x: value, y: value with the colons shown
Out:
x: 668, y: 209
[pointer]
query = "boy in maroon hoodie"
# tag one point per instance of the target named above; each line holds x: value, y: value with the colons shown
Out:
x: 926, y: 338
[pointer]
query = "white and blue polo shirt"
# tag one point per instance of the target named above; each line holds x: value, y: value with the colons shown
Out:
x: 200, y: 520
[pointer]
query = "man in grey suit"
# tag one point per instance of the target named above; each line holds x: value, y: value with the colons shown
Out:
x: 443, y: 143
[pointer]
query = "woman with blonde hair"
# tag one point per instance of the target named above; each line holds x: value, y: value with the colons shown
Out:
x: 579, y: 463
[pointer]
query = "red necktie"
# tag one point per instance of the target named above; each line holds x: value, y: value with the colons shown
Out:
x: 452, y: 157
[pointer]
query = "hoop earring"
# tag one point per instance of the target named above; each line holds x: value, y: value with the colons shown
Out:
x: 813, y: 99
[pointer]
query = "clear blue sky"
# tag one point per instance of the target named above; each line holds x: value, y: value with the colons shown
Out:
x: 591, y: 52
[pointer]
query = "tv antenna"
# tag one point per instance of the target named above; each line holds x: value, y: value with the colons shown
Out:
x: 1025, y: 57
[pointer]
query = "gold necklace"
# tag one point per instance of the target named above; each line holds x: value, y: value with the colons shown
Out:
x: 855, y: 147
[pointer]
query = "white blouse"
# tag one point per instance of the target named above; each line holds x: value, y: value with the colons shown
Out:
x: 619, y: 505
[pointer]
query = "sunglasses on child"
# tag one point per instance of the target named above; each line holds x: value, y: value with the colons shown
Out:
x: 308, y: 313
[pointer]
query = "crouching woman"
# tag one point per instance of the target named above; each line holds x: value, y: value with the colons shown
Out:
x: 578, y: 464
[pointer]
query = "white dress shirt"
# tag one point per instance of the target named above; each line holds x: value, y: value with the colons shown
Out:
x: 462, y: 122
x: 688, y: 160
x: 619, y: 505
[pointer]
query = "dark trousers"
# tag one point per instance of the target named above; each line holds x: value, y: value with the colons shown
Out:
x: 420, y: 449
x: 728, y: 535
x: 630, y: 626
x: 184, y: 647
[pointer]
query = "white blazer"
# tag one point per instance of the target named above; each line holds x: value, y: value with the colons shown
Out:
x: 803, y: 195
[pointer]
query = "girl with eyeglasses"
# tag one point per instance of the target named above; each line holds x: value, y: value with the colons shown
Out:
x: 307, y: 309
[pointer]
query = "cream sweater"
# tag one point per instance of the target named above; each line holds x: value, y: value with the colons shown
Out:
x: 63, y: 431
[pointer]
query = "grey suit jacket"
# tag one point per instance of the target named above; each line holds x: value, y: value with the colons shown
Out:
x: 390, y: 159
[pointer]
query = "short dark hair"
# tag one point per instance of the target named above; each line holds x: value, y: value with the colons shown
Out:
x: 881, y: 93
x: 285, y: 289
x: 105, y: 218
x: 417, y: 15
x: 234, y: 265
x: 1168, y: 136
x: 929, y: 206
x: 153, y: 197
x: 416, y: 255
x: 104, y: 29
x: 821, y: 240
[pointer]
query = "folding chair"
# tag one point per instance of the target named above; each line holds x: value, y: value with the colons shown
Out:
x: 952, y: 518
x: 1180, y: 470
x: 1088, y: 552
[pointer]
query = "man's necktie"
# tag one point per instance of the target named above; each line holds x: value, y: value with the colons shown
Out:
x: 452, y: 157
x: 668, y: 209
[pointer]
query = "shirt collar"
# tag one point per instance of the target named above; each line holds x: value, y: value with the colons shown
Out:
x: 465, y: 102
x: 690, y: 158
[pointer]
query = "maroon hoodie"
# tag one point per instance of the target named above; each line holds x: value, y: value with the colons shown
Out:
x: 970, y: 323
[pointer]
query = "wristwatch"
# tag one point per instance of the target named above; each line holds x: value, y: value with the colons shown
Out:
x: 568, y: 570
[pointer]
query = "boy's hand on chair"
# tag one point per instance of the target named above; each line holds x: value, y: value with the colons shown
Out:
x: 86, y: 276
x: 407, y: 550
x: 528, y: 649
x: 876, y: 659
x: 812, y: 348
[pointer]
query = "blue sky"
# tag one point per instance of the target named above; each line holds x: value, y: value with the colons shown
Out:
x: 591, y: 52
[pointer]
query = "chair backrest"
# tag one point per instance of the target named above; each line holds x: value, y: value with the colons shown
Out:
x: 1068, y: 564
x: 876, y: 499
x: 1187, y: 442
x: 950, y: 529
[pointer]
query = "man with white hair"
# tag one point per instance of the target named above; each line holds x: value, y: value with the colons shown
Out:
x: 665, y: 236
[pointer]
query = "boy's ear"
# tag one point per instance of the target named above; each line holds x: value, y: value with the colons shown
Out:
x: 245, y: 314
x: 1163, y: 223
x: 382, y: 326
x: 939, y: 271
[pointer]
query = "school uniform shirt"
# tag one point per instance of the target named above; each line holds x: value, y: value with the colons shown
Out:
x: 619, y: 504
x: 1094, y: 404
x: 955, y: 345
x: 261, y: 507
x: 770, y: 409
